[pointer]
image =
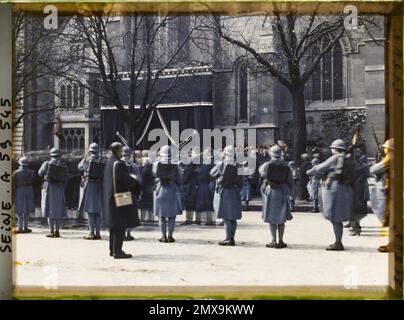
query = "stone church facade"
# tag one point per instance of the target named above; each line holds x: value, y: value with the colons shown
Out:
x: 348, y: 84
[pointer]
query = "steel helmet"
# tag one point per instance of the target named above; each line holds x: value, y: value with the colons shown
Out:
x: 275, y: 151
x: 54, y: 152
x: 23, y: 161
x: 338, y: 144
x: 389, y: 144
x: 126, y: 151
x: 94, y: 148
x: 165, y: 152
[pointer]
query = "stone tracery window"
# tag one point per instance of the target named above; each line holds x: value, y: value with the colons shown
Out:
x: 73, y: 140
x: 327, y: 80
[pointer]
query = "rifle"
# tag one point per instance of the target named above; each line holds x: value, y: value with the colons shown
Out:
x: 377, y: 140
x: 122, y: 139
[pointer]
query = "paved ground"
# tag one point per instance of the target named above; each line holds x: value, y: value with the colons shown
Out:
x: 196, y: 259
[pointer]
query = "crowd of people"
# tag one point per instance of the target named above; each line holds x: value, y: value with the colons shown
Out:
x: 211, y: 188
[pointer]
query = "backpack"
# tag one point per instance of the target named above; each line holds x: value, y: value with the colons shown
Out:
x: 346, y: 169
x: 277, y: 173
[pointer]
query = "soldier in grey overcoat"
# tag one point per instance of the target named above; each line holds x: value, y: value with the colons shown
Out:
x: 189, y: 190
x: 379, y: 194
x: 53, y: 202
x: 167, y: 201
x: 118, y: 218
x: 276, y: 202
x: 133, y: 169
x: 226, y: 201
x: 360, y: 195
x: 336, y: 195
x: 91, y: 194
x: 313, y: 186
x: 205, y: 189
x: 24, y: 198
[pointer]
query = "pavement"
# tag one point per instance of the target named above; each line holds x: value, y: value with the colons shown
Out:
x: 195, y: 262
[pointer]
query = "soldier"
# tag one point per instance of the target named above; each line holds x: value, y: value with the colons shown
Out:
x: 296, y: 178
x: 226, y: 201
x: 91, y: 191
x: 24, y: 203
x: 313, y: 186
x: 53, y: 201
x: 119, y: 215
x: 146, y: 200
x: 336, y: 190
x: 205, y: 189
x: 278, y: 181
x: 167, y: 201
x: 304, y: 179
x: 360, y: 195
x: 189, y: 190
x: 246, y: 190
x: 380, y: 192
x: 133, y: 169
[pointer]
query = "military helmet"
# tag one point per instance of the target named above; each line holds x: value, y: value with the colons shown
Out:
x: 138, y: 154
x: 145, y: 153
x: 23, y: 161
x: 338, y: 144
x: 389, y: 144
x: 165, y: 152
x: 126, y: 151
x: 315, y: 161
x: 304, y: 156
x: 275, y: 151
x: 228, y: 151
x: 54, y: 152
x: 291, y: 163
x: 94, y: 148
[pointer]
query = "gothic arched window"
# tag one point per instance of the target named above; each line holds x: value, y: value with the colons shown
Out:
x: 62, y: 96
x: 242, y: 94
x: 75, y: 96
x: 327, y: 80
x: 69, y: 96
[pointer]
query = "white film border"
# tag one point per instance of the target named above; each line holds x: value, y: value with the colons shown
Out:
x: 6, y: 260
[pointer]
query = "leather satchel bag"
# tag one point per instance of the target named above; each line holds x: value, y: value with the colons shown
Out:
x: 121, y: 198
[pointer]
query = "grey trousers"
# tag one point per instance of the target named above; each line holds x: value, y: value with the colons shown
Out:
x: 54, y: 224
x: 230, y: 226
x: 94, y: 222
x: 23, y: 220
x: 167, y: 222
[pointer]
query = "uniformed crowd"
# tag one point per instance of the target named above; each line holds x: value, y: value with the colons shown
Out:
x: 208, y: 187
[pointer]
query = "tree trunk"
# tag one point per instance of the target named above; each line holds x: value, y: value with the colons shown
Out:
x: 299, y: 123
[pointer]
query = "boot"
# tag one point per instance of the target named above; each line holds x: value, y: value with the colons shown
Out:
x: 122, y: 255
x: 230, y: 242
x: 385, y: 248
x: 97, y: 237
x: 89, y: 237
x: 27, y: 230
x: 57, y: 234
x: 281, y: 245
x: 273, y: 244
x: 50, y: 235
x: 19, y: 231
x: 170, y: 239
x: 163, y: 239
x: 335, y: 247
x: 128, y: 237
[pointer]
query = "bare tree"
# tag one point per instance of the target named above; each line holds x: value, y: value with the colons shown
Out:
x: 134, y: 58
x: 292, y: 62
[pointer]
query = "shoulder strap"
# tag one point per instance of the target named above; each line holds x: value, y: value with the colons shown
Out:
x: 114, y: 176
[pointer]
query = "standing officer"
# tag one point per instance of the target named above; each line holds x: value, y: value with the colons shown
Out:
x: 133, y: 169
x: 360, y: 195
x: 167, y: 201
x: 226, y: 201
x: 380, y: 192
x: 294, y: 190
x: 304, y: 179
x: 205, y: 189
x: 24, y: 199
x: 118, y: 217
x: 91, y: 193
x: 336, y: 190
x: 278, y: 180
x: 313, y: 186
x: 53, y: 202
